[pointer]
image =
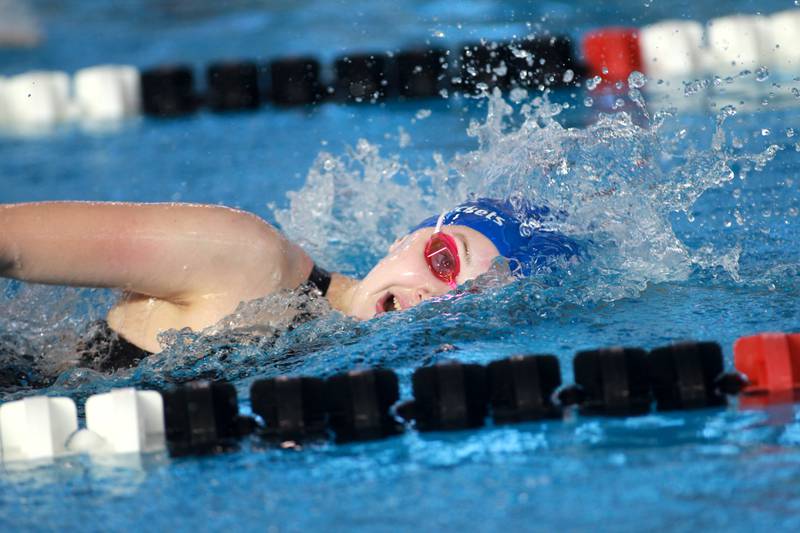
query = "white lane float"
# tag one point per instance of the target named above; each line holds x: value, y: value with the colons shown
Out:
x: 672, y: 49
x: 36, y: 428
x: 36, y: 100
x: 781, y: 35
x: 127, y: 420
x: 107, y: 92
x: 735, y: 44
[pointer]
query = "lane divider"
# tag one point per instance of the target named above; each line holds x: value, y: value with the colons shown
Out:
x: 670, y: 50
x: 203, y: 417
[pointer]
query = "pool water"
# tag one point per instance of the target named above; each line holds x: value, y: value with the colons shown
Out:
x: 691, y: 218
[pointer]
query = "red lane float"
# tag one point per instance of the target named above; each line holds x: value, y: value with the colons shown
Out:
x: 771, y: 362
x: 612, y: 53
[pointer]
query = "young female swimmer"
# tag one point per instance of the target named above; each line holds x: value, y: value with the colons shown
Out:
x: 182, y: 265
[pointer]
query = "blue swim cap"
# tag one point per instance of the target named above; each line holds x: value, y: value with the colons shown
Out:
x: 518, y: 238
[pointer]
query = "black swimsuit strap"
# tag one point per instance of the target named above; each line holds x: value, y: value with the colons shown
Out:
x: 320, y: 278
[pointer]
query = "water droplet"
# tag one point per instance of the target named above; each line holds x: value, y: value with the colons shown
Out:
x: 422, y: 114
x: 795, y: 92
x: 636, y: 79
x: 789, y: 132
x: 765, y: 132
x: 569, y: 75
x: 328, y: 164
x: 444, y: 94
x: 762, y: 74
x: 588, y: 101
x: 619, y: 103
x: 592, y: 83
x: 518, y: 95
x: 604, y: 70
x: 793, y: 212
x: 727, y: 111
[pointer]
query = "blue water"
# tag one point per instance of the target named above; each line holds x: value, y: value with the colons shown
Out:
x: 665, y: 267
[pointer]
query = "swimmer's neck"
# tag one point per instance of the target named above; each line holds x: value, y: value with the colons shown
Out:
x: 340, y: 292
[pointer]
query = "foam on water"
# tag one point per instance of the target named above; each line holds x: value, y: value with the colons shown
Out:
x: 620, y: 179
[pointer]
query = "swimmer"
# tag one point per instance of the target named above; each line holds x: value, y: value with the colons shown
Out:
x: 182, y: 265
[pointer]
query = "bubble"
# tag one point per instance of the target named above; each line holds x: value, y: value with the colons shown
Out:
x: 588, y: 101
x: 762, y: 74
x: 727, y: 111
x: 765, y: 132
x: 422, y: 114
x: 636, y: 79
x: 569, y: 75
x: 518, y: 95
x: 592, y: 83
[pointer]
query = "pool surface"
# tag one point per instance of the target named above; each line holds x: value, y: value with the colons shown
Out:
x: 691, y: 216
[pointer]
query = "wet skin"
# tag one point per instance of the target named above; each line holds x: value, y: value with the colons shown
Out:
x: 403, y: 279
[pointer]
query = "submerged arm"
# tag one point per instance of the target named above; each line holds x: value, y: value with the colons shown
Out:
x: 176, y: 252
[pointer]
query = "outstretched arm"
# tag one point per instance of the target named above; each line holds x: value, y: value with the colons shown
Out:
x: 176, y: 252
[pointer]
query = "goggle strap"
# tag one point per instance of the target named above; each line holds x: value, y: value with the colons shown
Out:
x: 440, y: 222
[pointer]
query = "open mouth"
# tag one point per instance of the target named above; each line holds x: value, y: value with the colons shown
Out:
x: 388, y: 303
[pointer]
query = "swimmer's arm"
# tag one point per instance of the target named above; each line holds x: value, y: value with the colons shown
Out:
x: 178, y: 252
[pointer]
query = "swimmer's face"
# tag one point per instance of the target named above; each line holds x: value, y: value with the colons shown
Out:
x: 403, y: 279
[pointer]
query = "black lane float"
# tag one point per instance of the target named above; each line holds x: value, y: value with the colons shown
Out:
x: 416, y: 72
x: 358, y: 405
